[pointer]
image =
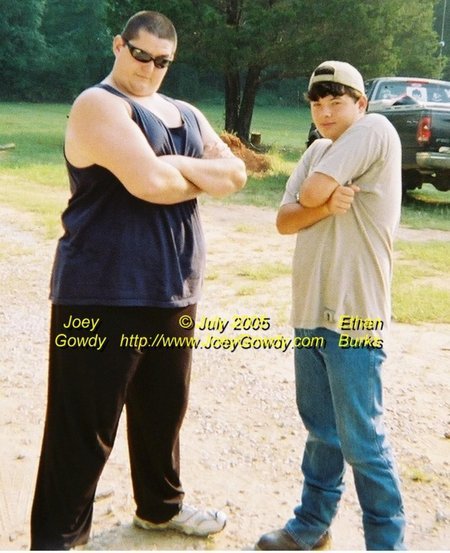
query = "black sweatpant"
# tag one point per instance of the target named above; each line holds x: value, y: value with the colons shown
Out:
x: 89, y: 383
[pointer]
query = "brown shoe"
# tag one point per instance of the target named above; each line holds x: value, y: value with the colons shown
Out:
x: 281, y: 540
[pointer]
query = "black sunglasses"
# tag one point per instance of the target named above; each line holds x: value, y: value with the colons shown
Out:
x: 161, y: 62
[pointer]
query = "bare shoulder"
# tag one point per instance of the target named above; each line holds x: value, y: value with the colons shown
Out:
x: 95, y: 118
x: 95, y: 102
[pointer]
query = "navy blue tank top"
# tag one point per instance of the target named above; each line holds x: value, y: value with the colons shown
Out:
x: 120, y: 250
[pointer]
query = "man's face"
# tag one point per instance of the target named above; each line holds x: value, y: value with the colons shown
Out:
x: 333, y: 115
x: 137, y: 77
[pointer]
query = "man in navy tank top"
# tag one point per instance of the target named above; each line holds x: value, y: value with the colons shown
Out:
x: 127, y: 276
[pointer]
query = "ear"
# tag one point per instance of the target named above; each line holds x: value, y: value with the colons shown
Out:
x: 117, y: 44
x: 362, y: 103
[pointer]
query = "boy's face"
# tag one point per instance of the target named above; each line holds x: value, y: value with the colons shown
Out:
x: 333, y: 115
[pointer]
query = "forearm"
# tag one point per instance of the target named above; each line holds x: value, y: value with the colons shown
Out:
x: 174, y: 194
x: 294, y: 217
x: 167, y: 186
x: 317, y: 189
x: 217, y: 177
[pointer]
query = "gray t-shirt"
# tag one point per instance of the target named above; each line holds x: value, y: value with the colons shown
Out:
x: 342, y: 265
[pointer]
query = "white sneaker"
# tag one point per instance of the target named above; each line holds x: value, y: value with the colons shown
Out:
x: 190, y: 521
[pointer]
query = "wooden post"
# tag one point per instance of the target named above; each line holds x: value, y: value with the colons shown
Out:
x: 255, y: 138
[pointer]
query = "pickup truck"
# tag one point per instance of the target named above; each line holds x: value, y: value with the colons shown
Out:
x: 420, y: 111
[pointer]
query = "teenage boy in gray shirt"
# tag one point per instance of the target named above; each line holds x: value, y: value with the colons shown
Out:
x: 343, y: 201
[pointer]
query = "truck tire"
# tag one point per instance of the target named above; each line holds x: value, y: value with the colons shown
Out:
x: 411, y: 180
x: 442, y: 183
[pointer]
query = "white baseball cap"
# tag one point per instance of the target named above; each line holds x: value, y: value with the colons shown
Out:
x: 339, y: 72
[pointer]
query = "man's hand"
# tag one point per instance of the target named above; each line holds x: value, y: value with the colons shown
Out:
x: 216, y: 150
x: 341, y: 199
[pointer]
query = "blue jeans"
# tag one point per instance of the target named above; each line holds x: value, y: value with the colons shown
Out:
x: 339, y: 398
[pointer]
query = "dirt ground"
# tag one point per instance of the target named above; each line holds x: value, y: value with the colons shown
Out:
x: 242, y: 439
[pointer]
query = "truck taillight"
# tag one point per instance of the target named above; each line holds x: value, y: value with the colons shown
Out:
x: 424, y: 130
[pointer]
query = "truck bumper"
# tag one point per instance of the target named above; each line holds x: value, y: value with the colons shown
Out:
x: 433, y: 161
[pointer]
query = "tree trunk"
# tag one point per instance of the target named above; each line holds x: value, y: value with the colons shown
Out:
x: 252, y: 83
x: 232, y: 100
x: 233, y: 10
x: 232, y: 78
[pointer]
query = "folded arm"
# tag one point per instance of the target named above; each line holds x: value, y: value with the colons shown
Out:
x: 293, y: 217
x: 219, y: 172
x: 217, y: 177
x: 100, y: 131
x: 317, y: 189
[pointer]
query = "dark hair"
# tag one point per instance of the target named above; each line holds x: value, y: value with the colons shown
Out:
x: 154, y: 23
x: 328, y: 88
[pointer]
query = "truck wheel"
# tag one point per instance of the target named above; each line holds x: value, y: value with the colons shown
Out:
x: 404, y: 193
x: 411, y: 179
x: 312, y: 135
x: 442, y: 183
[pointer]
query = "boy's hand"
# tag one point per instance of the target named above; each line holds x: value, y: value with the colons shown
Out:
x: 341, y: 199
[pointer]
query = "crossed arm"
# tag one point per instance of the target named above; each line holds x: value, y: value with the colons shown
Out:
x: 321, y: 196
x: 218, y: 173
x: 100, y: 131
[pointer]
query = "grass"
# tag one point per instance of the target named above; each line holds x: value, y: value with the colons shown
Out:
x: 43, y: 202
x: 280, y: 127
x: 418, y: 474
x: 37, y: 130
x: 264, y: 272
x: 32, y: 175
x: 8, y: 250
x: 421, y: 291
x: 33, y: 180
x: 427, y: 208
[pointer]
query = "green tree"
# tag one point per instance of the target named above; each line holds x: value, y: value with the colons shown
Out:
x: 416, y: 42
x: 255, y: 41
x: 78, y: 47
x: 442, y: 28
x: 22, y: 48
